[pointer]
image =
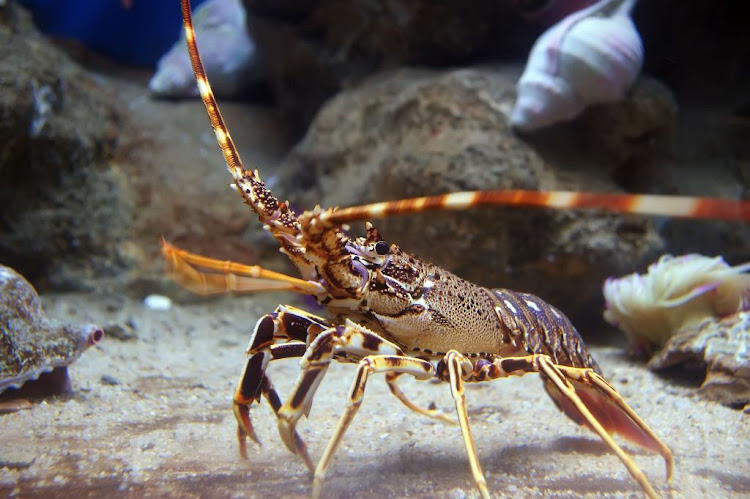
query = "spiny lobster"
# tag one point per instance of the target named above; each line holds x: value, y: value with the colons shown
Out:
x: 392, y: 313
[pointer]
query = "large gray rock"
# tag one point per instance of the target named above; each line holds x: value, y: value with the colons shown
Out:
x: 312, y: 49
x: 64, y: 208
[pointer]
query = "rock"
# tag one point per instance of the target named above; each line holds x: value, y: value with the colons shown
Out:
x: 120, y: 331
x: 65, y: 207
x: 634, y: 134
x: 312, y: 49
x: 412, y: 133
x: 719, y: 344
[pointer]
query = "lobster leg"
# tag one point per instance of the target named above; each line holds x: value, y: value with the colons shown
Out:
x: 589, y: 400
x: 248, y: 391
x: 287, y: 324
x: 254, y: 383
x: 420, y: 369
x: 245, y: 428
x: 459, y: 368
x: 624, y: 419
x: 298, y: 329
x: 391, y: 378
x: 350, y: 339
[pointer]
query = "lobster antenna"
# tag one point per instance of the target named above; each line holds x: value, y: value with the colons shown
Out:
x: 228, y: 149
x: 277, y: 216
x: 281, y: 219
x: 641, y: 204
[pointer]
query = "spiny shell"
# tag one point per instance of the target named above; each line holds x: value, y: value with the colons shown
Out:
x: 30, y: 343
x: 591, y: 56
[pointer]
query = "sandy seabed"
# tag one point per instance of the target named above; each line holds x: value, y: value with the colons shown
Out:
x: 152, y: 417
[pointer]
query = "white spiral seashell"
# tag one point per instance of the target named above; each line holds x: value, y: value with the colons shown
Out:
x: 226, y: 46
x: 592, y: 56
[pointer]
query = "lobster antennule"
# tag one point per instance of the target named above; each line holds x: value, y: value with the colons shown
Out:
x: 276, y: 215
x: 640, y: 204
x: 210, y: 276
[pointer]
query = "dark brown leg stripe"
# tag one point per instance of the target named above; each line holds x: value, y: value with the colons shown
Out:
x: 287, y: 350
x: 252, y: 379
x: 511, y: 365
x: 322, y: 348
x: 297, y: 327
x: 304, y: 386
x: 371, y: 342
x: 263, y: 333
x: 271, y: 394
x: 458, y: 383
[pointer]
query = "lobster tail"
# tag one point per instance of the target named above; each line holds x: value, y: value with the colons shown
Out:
x: 609, y: 409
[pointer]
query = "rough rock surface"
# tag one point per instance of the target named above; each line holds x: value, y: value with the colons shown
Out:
x: 632, y: 137
x: 314, y: 49
x: 410, y: 133
x: 64, y: 207
x: 93, y: 172
x: 721, y: 346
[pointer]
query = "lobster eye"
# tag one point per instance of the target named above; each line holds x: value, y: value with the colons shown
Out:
x: 382, y: 248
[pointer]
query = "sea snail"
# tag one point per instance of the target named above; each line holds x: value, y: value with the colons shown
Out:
x: 591, y: 56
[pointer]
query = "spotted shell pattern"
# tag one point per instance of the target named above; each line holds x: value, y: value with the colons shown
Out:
x: 30, y: 343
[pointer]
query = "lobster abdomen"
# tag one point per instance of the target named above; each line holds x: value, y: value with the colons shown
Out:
x: 542, y: 329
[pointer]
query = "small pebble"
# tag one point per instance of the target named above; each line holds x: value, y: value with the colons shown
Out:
x: 120, y: 332
x: 157, y: 302
x: 457, y: 494
x: 108, y: 379
x: 131, y: 322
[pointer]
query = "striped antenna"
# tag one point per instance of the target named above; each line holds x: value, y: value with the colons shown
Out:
x: 276, y: 215
x: 641, y: 204
x: 231, y: 155
x: 282, y: 221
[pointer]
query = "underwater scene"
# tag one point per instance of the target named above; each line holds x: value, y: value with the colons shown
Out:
x: 397, y: 248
